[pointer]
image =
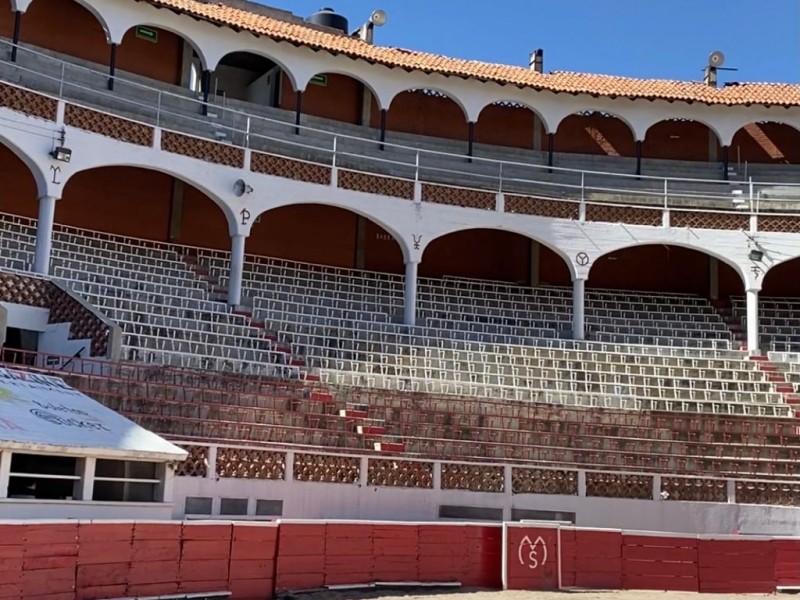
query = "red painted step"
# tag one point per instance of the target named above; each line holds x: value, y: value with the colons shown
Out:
x: 324, y: 397
x: 785, y: 389
x: 390, y: 447
x: 313, y: 377
x: 759, y: 358
x: 370, y: 430
x: 351, y: 413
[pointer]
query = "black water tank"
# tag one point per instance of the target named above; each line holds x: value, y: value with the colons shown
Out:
x: 327, y: 17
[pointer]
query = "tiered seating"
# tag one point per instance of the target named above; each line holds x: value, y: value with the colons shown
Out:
x: 480, y: 339
x: 190, y: 406
x: 778, y: 322
x: 167, y: 312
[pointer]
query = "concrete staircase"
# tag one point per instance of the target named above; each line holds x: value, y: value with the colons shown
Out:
x: 724, y: 309
x: 776, y: 375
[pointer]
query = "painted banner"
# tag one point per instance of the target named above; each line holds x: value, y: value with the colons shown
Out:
x: 44, y: 411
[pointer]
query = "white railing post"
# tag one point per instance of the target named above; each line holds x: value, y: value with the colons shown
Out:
x: 334, y: 168
x: 665, y: 220
x: 417, y: 182
x: 582, y: 205
x: 158, y: 110
x: 61, y: 83
x: 247, y: 133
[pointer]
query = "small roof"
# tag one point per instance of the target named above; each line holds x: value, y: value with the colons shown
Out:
x: 769, y: 94
x: 43, y: 413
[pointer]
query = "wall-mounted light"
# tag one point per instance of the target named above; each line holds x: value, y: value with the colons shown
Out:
x: 62, y: 154
x: 756, y: 255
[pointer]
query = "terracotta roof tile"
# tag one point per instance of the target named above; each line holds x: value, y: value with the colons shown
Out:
x: 781, y: 94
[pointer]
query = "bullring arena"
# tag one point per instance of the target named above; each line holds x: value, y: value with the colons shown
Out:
x: 285, y: 310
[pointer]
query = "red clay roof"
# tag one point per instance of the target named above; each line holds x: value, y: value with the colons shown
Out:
x: 780, y: 94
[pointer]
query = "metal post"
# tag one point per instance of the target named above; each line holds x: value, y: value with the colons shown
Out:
x: 298, y: 110
x: 638, y: 157
x: 17, y: 25
x: 205, y: 84
x: 61, y: 83
x: 158, y: 110
x: 470, y: 138
x: 550, y: 148
x: 236, y: 270
x: 112, y: 67
x: 725, y: 163
x: 752, y: 321
x: 410, y: 295
x: 383, y: 129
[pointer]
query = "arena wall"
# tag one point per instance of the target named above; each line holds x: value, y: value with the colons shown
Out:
x: 95, y: 560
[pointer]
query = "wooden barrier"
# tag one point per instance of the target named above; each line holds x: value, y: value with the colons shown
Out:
x: 96, y: 560
x: 657, y: 562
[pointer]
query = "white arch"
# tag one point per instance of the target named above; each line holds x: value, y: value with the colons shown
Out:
x: 536, y: 112
x: 43, y: 183
x: 707, y: 122
x: 174, y: 30
x: 631, y: 126
x: 285, y: 65
x: 669, y: 242
x: 227, y: 211
x: 352, y: 75
x: 573, y: 272
x: 398, y: 237
x: 440, y: 90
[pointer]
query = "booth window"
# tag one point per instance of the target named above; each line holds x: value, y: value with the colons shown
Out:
x: 43, y: 477
x: 126, y: 481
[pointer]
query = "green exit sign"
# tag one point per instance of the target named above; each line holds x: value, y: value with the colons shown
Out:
x: 320, y: 80
x: 147, y: 34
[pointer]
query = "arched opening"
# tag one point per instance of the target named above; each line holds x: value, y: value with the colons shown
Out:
x: 665, y: 268
x: 778, y: 308
x: 766, y: 142
x: 496, y: 255
x: 681, y: 139
x: 325, y: 235
x: 509, y: 124
x: 334, y: 96
x: 142, y: 203
x: 249, y: 77
x: 18, y: 195
x: 158, y: 54
x: 427, y: 112
x: 595, y: 133
x: 62, y: 26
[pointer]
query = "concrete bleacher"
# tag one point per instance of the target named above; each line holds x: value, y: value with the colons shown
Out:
x: 777, y: 321
x: 481, y: 339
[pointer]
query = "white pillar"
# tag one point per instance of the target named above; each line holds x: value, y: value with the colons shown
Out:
x: 578, y: 309
x: 237, y: 270
x: 44, y: 235
x: 410, y: 306
x: 752, y: 321
x: 5, y: 470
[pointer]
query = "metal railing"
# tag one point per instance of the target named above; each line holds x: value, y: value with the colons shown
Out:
x: 170, y: 108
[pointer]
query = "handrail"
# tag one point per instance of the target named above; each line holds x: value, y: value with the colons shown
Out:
x: 499, y: 181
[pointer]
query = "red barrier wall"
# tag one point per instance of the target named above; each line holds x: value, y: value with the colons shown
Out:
x: 598, y: 559
x: 96, y: 560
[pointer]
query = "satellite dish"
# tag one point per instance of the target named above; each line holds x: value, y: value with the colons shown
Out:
x: 716, y: 59
x: 240, y: 188
x: 378, y: 18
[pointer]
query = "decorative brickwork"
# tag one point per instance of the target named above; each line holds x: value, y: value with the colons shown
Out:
x: 27, y: 102
x: 615, y: 485
x: 241, y: 463
x: 108, y: 125
x: 375, y: 184
x: 290, y: 169
x: 473, y: 478
x: 544, y: 481
x: 30, y: 291
x: 213, y: 152
x: 777, y: 494
x: 400, y: 473
x: 709, y: 220
x: 453, y: 196
x: 780, y: 224
x: 196, y: 464
x: 630, y: 215
x: 325, y: 468
x: 694, y: 490
x: 542, y: 207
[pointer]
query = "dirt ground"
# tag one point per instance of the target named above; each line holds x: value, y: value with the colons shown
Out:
x: 466, y: 594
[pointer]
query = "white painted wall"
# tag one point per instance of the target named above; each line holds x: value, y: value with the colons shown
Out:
x: 54, y: 340
x: 77, y: 509
x: 31, y: 318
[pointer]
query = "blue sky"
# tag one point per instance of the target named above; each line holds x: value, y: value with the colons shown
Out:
x: 667, y: 39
